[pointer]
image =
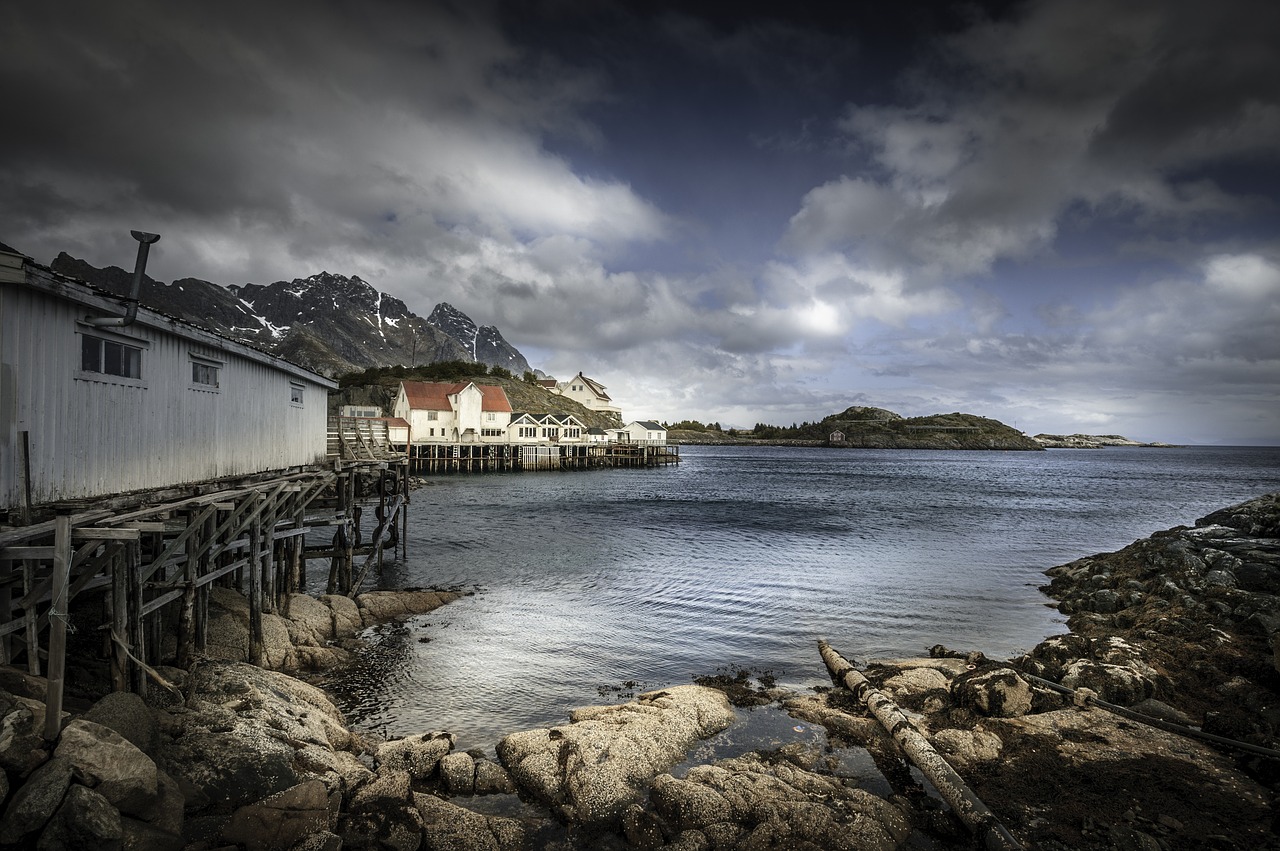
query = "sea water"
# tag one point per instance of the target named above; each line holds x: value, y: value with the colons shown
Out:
x: 592, y: 586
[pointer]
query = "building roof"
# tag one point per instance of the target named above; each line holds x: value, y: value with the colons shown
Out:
x: 650, y: 425
x: 549, y: 383
x: 434, y: 395
x: 595, y: 387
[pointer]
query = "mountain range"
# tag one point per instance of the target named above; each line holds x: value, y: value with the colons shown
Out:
x: 332, y: 324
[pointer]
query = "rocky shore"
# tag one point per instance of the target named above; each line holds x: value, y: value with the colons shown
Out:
x: 1180, y: 628
x: 1091, y: 441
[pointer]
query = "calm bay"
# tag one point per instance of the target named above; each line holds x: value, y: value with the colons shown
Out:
x: 591, y: 586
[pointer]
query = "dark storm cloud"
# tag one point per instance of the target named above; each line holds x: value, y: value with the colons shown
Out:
x: 1063, y: 209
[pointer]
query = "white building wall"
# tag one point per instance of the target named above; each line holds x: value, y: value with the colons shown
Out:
x: 93, y: 435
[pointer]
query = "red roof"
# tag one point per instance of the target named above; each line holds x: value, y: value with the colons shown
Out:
x: 434, y: 396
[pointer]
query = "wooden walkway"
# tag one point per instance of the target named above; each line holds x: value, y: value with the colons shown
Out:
x: 133, y: 576
x: 513, y: 458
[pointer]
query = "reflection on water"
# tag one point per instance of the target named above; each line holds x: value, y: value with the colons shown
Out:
x: 744, y: 557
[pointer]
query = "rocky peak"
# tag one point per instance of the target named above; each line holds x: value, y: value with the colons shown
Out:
x: 328, y: 322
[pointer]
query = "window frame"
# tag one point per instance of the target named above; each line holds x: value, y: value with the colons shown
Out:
x: 199, y: 362
x: 297, y: 394
x: 124, y: 342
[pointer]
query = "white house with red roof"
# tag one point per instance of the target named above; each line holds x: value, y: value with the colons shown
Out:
x: 457, y: 412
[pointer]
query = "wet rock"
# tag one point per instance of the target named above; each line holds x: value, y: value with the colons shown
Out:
x: 310, y: 620
x: 492, y: 779
x: 112, y: 765
x: 35, y: 801
x: 965, y: 748
x: 1117, y: 684
x: 379, y: 606
x: 915, y: 681
x: 85, y: 820
x: 997, y: 692
x: 417, y: 755
x: 446, y: 825
x: 281, y: 820
x: 345, y: 614
x: 589, y: 770
x: 458, y: 772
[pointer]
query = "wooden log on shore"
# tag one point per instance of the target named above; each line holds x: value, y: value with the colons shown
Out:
x: 962, y: 800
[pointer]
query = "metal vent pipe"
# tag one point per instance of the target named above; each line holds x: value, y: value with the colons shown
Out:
x: 144, y: 247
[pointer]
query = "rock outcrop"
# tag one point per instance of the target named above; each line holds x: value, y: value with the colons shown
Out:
x: 589, y: 770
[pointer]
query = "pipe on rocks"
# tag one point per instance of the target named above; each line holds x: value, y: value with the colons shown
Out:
x: 967, y: 806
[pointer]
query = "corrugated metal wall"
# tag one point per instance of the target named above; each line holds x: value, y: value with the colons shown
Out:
x: 92, y: 436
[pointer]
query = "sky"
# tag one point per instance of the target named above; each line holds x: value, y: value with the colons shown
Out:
x: 1062, y: 214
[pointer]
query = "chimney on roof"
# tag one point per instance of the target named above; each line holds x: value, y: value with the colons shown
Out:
x: 139, y: 266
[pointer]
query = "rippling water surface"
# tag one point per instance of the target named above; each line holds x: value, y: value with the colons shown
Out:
x: 591, y: 585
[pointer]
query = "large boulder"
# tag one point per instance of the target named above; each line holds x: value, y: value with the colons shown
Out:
x: 310, y: 620
x: 379, y: 606
x: 112, y: 765
x: 997, y: 692
x: 85, y: 820
x: 776, y: 804
x: 589, y: 770
x: 1120, y: 684
x: 382, y: 815
x: 345, y: 614
x: 418, y: 756
x: 282, y: 819
x: 446, y: 825
x: 127, y: 714
x: 35, y: 801
x: 247, y: 733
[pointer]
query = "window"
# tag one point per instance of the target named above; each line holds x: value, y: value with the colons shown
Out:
x: 110, y: 357
x: 295, y: 392
x: 573, y: 432
x: 491, y: 432
x: 490, y: 417
x: 205, y: 372
x: 528, y: 431
x: 551, y: 433
x: 433, y: 415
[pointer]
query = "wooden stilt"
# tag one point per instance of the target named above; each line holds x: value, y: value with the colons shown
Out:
x: 255, y: 593
x: 58, y: 615
x: 119, y: 622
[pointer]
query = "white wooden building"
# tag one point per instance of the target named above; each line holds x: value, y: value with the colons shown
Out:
x: 459, y: 412
x: 92, y: 410
x: 644, y: 432
x: 590, y: 394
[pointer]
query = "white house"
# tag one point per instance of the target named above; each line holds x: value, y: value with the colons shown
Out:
x: 590, y: 394
x: 99, y: 396
x: 459, y: 412
x: 530, y: 429
x: 641, y: 431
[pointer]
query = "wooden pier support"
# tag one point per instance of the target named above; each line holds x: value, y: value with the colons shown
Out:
x: 139, y: 573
